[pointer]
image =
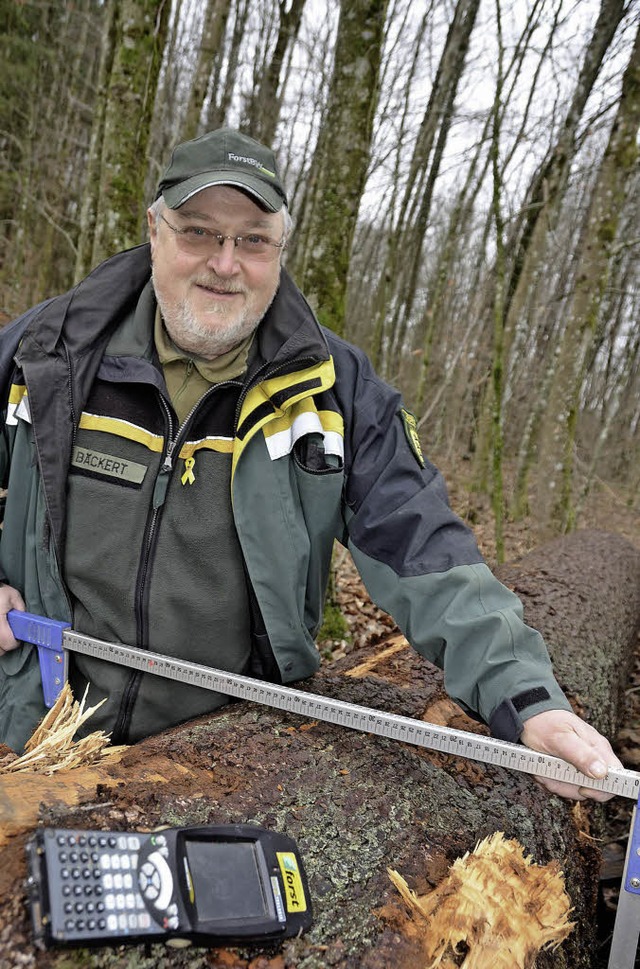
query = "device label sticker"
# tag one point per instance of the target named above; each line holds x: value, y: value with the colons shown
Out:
x: 277, y: 897
x: 296, y: 901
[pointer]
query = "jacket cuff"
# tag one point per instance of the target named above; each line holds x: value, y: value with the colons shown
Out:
x: 506, y: 722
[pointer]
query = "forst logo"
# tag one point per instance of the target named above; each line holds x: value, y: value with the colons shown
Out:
x: 248, y: 160
x: 296, y: 901
x: 291, y: 889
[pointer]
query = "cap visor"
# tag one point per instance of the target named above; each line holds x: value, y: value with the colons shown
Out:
x: 267, y: 197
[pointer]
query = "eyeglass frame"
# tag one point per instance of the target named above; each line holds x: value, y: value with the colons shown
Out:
x: 221, y: 238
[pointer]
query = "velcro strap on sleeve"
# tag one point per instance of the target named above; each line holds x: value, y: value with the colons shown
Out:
x: 506, y: 723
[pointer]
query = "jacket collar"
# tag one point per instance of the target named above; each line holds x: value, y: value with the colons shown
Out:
x: 289, y: 330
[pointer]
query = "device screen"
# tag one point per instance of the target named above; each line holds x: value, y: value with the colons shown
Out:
x: 226, y: 880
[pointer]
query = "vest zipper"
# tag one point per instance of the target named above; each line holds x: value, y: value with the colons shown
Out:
x: 48, y: 531
x: 121, y: 729
x: 120, y: 733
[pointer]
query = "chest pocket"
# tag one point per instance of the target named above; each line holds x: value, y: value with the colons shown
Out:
x: 314, y: 437
x: 310, y: 455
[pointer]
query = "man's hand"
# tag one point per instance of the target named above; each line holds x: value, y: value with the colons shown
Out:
x: 10, y: 598
x: 565, y: 735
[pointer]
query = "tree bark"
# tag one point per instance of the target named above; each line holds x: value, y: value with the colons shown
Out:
x: 582, y: 592
x: 132, y: 65
x: 320, y: 260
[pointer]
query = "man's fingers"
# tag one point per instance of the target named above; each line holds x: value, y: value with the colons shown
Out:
x: 563, y: 734
x: 570, y: 791
x: 585, y: 753
x: 10, y: 598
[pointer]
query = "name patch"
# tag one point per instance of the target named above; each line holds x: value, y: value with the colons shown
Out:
x: 107, y: 465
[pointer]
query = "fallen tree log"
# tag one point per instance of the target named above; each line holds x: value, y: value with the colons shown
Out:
x: 356, y: 804
x: 582, y: 593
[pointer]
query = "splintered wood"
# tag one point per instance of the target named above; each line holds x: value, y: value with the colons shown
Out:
x: 495, y: 905
x: 52, y: 747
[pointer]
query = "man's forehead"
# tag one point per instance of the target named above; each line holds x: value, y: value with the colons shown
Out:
x: 220, y: 200
x: 258, y: 218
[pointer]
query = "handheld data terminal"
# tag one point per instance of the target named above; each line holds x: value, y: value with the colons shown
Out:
x: 209, y: 885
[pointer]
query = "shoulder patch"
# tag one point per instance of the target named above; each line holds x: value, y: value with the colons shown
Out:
x: 411, y: 432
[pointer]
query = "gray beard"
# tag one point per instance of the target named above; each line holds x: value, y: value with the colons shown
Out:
x: 197, y: 339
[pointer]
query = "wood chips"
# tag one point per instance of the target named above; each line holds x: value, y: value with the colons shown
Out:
x: 495, y: 905
x: 52, y: 746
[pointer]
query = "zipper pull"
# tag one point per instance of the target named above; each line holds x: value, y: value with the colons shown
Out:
x: 188, y: 477
x: 161, y: 485
x: 164, y: 476
x: 167, y: 464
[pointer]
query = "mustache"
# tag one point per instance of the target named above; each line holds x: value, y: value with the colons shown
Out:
x: 211, y: 281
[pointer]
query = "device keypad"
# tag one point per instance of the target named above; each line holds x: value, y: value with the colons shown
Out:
x: 99, y: 885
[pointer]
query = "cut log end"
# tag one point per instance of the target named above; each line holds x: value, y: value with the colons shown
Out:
x: 495, y: 903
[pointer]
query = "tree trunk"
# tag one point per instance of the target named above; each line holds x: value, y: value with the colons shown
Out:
x: 529, y: 245
x: 407, y: 247
x: 91, y: 194
x: 221, y: 99
x: 210, y: 54
x: 263, y: 110
x: 497, y: 363
x: 320, y: 260
x: 48, y: 52
x: 122, y: 129
x: 581, y: 591
x: 394, y: 285
x: 595, y: 254
x: 546, y: 190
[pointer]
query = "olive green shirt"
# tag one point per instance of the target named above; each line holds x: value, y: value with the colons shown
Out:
x: 188, y: 377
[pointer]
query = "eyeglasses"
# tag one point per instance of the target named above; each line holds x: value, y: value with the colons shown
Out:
x: 199, y: 240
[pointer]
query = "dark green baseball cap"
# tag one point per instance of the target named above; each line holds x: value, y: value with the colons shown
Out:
x: 223, y: 157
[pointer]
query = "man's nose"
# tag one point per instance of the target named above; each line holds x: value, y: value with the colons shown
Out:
x: 224, y: 256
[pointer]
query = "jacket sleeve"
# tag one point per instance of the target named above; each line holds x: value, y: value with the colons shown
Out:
x: 10, y: 336
x: 421, y: 564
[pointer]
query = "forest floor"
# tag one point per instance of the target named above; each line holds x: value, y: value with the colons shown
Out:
x: 605, y: 509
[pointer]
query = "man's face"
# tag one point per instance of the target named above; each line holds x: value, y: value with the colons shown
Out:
x: 211, y: 300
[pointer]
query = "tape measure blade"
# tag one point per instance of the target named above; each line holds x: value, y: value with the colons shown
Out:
x: 446, y: 740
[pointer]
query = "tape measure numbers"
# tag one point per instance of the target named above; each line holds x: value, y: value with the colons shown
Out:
x: 53, y: 639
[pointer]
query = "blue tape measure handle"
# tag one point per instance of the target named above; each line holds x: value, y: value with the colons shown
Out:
x: 48, y: 636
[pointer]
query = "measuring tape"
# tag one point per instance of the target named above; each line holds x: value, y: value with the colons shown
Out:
x: 54, y: 638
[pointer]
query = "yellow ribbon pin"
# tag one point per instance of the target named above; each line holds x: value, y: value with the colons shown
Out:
x: 188, y: 477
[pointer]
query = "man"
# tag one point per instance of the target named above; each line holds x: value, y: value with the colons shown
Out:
x: 182, y: 445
